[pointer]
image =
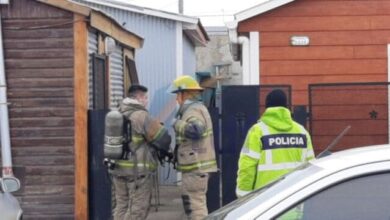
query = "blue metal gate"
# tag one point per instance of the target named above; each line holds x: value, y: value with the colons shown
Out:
x: 241, y: 108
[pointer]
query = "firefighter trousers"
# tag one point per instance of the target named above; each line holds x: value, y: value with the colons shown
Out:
x: 132, y: 198
x: 194, y: 188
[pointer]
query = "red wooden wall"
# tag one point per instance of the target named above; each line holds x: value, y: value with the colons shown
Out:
x: 348, y: 43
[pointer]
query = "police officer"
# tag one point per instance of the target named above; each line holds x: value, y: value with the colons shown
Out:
x: 194, y: 146
x: 274, y: 146
x: 132, y: 176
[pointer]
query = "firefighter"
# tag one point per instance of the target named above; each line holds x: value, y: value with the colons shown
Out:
x: 274, y: 146
x: 194, y: 149
x: 132, y: 175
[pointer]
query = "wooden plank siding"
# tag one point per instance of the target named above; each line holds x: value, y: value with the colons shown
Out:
x: 362, y: 106
x: 348, y: 43
x: 38, y: 42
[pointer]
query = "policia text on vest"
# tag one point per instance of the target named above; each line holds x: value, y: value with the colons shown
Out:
x: 284, y: 141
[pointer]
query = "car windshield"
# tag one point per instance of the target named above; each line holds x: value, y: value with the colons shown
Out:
x: 220, y: 213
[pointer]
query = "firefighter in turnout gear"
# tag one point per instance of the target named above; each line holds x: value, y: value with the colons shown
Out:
x: 132, y: 175
x: 194, y: 151
x: 274, y: 146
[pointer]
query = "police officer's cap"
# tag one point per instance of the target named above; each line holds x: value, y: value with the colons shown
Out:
x: 276, y: 98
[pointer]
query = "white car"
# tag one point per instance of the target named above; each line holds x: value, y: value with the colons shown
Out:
x: 351, y: 184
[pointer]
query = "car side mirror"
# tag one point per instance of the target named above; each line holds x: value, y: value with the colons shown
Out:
x: 9, y: 184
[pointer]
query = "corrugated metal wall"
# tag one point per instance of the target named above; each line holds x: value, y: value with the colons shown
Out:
x: 156, y: 60
x: 116, y: 77
x: 92, y: 48
x: 189, y: 57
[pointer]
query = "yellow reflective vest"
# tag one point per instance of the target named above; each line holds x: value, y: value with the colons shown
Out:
x: 273, y: 147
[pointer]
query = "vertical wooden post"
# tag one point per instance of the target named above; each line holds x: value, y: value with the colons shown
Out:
x: 101, y: 44
x: 80, y: 34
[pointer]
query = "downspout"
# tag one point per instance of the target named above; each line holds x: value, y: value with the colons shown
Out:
x: 4, y: 120
x: 245, y: 54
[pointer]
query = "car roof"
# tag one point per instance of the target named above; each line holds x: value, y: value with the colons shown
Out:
x: 354, y: 157
x: 316, y: 169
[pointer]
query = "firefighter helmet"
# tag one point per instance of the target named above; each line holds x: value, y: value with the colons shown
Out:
x: 184, y: 83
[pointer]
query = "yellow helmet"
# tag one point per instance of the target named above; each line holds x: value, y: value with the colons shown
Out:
x: 184, y: 83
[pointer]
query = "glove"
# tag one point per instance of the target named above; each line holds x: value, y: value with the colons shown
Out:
x: 164, y: 156
x: 170, y: 156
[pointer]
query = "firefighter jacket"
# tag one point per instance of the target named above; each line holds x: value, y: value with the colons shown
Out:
x: 274, y: 146
x: 194, y: 139
x: 147, y: 135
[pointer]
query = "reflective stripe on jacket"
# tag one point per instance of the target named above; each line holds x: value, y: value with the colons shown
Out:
x: 145, y: 131
x: 194, y: 137
x: 273, y: 147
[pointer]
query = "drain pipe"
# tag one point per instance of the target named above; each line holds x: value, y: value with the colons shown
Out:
x: 4, y: 123
x: 245, y: 55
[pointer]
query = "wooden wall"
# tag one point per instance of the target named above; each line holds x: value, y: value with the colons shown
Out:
x: 348, y: 43
x: 39, y: 68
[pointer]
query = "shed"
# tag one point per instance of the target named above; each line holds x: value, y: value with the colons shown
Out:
x: 168, y: 52
x: 57, y: 68
x: 321, y: 42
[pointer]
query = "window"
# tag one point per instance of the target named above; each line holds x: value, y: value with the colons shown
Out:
x: 100, y: 86
x: 132, y: 70
x: 366, y: 197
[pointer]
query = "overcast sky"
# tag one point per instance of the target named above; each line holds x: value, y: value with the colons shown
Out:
x: 211, y: 12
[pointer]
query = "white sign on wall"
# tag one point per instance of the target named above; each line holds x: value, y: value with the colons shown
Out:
x: 300, y: 41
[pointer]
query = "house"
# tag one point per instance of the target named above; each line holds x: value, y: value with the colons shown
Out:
x: 61, y: 59
x: 168, y: 53
x: 307, y: 43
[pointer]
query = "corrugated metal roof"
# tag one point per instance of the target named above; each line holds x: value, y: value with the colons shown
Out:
x: 192, y: 25
x: 145, y: 11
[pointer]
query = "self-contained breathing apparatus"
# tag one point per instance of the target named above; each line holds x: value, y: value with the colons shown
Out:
x: 118, y: 136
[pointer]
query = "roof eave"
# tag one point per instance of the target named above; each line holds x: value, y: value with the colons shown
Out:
x: 260, y: 9
x: 196, y: 33
x: 145, y: 11
x: 100, y: 21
